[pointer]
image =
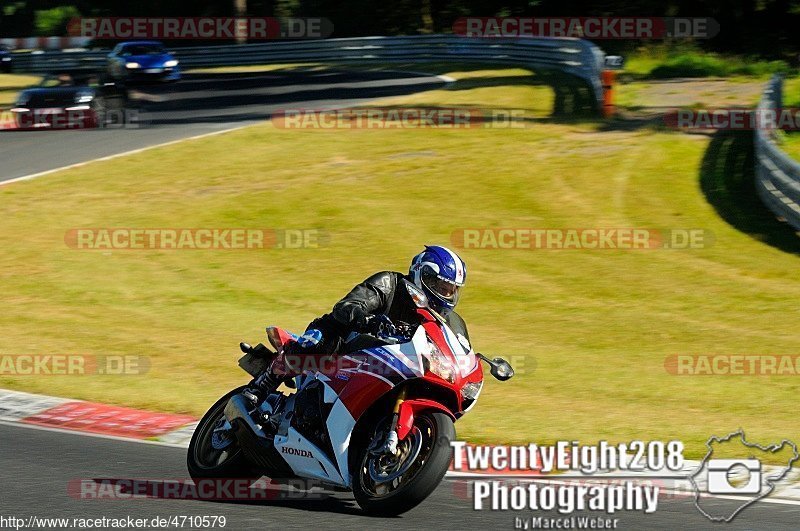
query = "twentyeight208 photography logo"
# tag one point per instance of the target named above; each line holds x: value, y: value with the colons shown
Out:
x: 606, y: 480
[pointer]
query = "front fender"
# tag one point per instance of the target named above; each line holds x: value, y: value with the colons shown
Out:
x: 409, y: 408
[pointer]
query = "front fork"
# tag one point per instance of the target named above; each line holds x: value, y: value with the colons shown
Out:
x: 390, y: 444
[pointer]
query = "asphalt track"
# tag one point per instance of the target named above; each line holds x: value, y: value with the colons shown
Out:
x: 36, y: 467
x: 202, y: 104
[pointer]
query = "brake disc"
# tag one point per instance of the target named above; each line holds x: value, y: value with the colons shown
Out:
x: 398, y: 465
x: 221, y: 437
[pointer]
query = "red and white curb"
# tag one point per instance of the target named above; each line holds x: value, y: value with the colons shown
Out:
x: 136, y: 425
x: 94, y: 418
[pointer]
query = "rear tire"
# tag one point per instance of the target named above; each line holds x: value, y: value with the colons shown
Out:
x: 437, y: 431
x: 204, y: 461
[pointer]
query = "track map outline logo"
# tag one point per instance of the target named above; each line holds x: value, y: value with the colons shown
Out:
x: 762, y: 492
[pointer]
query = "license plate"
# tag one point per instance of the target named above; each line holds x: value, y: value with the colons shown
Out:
x: 153, y: 71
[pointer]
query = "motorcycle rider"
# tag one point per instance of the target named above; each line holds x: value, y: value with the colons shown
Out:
x: 375, y: 304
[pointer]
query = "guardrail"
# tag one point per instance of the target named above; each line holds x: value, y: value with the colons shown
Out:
x: 575, y: 57
x: 777, y: 174
x: 45, y: 43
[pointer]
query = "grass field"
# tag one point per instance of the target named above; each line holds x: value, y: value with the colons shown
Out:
x: 590, y: 329
x: 790, y: 140
x: 12, y: 84
x: 671, y: 61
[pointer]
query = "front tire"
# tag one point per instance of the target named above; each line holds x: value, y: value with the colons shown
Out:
x: 428, y: 445
x: 204, y: 461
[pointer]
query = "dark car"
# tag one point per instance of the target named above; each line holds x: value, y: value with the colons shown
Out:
x: 5, y: 59
x: 66, y: 100
x: 142, y: 60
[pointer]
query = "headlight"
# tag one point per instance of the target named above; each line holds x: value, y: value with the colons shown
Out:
x: 471, y: 390
x: 131, y: 65
x: 170, y: 63
x: 6, y: 58
x: 440, y: 365
x: 84, y: 97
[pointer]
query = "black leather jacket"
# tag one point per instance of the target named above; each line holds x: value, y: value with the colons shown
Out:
x: 382, y: 293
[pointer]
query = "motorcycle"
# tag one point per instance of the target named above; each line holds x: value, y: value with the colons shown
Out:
x: 377, y: 420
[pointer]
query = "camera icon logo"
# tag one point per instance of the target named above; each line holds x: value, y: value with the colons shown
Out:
x: 741, y: 477
x: 734, y: 476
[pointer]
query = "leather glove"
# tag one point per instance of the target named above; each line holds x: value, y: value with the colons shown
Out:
x: 378, y: 325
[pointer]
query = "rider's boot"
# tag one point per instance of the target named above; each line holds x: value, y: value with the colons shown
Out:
x: 278, y: 371
x: 283, y: 363
x: 267, y: 382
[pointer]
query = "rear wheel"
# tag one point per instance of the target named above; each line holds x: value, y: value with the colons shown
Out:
x: 391, y: 485
x: 213, y: 451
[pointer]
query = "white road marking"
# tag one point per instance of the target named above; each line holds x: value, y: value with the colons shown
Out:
x: 123, y: 154
x: 451, y: 476
x: 446, y: 79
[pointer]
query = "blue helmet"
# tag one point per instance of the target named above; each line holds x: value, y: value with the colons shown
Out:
x: 440, y: 273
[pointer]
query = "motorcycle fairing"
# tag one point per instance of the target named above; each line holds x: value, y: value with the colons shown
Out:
x: 466, y: 359
x: 375, y: 372
x: 402, y: 359
x: 305, y: 458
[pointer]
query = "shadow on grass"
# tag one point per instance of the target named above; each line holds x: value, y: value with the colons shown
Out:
x: 574, y: 99
x: 727, y: 178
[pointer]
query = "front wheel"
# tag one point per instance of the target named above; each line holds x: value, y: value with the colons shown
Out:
x: 213, y: 452
x: 391, y: 485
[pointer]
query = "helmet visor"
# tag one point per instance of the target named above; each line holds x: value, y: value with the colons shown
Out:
x: 443, y: 288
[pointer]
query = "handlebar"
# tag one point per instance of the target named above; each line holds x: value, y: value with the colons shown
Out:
x: 403, y: 332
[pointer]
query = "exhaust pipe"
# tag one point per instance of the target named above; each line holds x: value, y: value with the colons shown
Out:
x: 237, y: 409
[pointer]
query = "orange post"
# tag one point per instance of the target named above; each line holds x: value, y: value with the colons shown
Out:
x: 607, y: 77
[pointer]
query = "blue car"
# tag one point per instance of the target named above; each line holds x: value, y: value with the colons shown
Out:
x: 142, y: 61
